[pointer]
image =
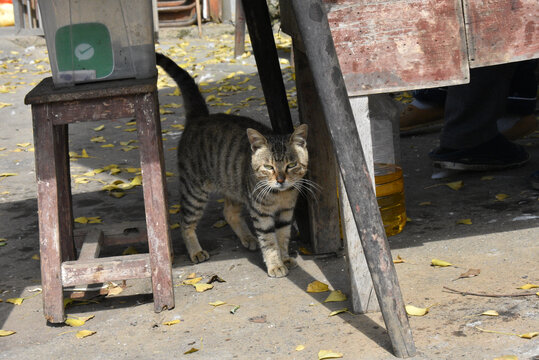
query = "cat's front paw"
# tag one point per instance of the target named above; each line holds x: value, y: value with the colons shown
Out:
x: 199, y: 256
x: 277, y: 271
x: 290, y: 263
x: 249, y: 242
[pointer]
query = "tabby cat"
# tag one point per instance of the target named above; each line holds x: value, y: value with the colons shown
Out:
x: 242, y: 160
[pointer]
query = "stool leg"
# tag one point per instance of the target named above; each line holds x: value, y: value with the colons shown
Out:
x: 155, y: 199
x: 49, y: 207
x: 64, y: 196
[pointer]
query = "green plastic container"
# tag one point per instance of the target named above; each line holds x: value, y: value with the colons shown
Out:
x: 95, y: 40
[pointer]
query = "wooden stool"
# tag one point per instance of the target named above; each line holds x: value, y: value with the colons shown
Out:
x: 52, y: 110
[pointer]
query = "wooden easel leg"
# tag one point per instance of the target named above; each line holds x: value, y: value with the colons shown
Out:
x: 49, y: 209
x: 155, y: 199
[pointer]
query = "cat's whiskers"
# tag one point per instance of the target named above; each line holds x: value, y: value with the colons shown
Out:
x: 308, y: 188
x: 263, y: 187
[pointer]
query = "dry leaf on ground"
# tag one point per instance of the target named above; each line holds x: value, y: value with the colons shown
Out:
x: 441, y: 263
x: 335, y: 295
x: 203, y: 287
x: 172, y: 322
x: 329, y: 354
x: 6, y: 332
x: 317, y: 286
x: 490, y: 313
x: 336, y: 312
x: 470, y: 273
x: 84, y: 333
x: 528, y: 286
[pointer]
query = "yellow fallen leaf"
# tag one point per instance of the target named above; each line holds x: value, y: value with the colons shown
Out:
x: 99, y: 128
x: 94, y: 220
x: 172, y: 322
x: 16, y: 301
x: 191, y: 281
x: 84, y: 154
x: 190, y: 351
x: 487, y: 177
x: 490, y: 313
x: 174, y: 226
x: 3, y: 105
x: 220, y: 224
x: 6, y: 332
x: 529, y: 335
x: 35, y: 257
x: 398, y: 260
x: 24, y: 144
x: 192, y: 275
x: 81, y: 220
x: 8, y: 174
x: 336, y: 312
x: 335, y: 295
x: 74, y: 322
x: 130, y: 129
x: 437, y: 262
x: 465, y: 221
x: 455, y: 185
x: 507, y: 357
x: 317, y: 286
x: 126, y: 143
x: 415, y: 311
x: 114, y: 290
x: 300, y: 347
x: 304, y: 251
x: 98, y: 139
x: 217, y: 303
x: 84, y: 333
x: 528, y: 286
x: 203, y: 287
x: 107, y: 146
x: 425, y: 203
x: 501, y: 197
x: 329, y: 354
x: 117, y: 194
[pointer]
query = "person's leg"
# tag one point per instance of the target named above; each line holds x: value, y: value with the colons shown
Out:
x: 471, y: 110
x: 470, y: 139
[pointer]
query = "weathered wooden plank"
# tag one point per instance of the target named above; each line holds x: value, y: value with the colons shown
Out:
x: 267, y: 62
x: 128, y: 232
x: 61, y: 145
x: 100, y: 270
x: 323, y: 204
x: 92, y: 110
x: 155, y: 199
x: 330, y: 86
x: 49, y: 209
x: 500, y: 31
x: 239, y: 30
x: 45, y: 92
x: 396, y: 45
x: 92, y: 245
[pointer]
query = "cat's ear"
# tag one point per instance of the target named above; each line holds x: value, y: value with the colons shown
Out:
x: 299, y: 137
x: 256, y: 139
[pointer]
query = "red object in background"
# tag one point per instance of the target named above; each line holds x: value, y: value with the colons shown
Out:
x: 6, y: 1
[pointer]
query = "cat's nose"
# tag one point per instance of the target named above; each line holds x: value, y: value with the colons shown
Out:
x: 280, y: 179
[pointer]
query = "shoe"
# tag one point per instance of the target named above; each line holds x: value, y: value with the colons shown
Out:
x: 413, y: 119
x: 496, y: 154
x: 535, y: 180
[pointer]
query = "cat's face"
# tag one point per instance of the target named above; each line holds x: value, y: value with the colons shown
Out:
x: 280, y: 162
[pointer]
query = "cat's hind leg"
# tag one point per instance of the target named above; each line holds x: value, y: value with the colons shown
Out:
x: 232, y: 213
x: 192, y: 200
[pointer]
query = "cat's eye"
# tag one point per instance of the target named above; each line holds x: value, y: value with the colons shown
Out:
x: 268, y: 167
x: 292, y: 165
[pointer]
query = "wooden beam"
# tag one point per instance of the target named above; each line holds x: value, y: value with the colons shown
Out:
x: 100, y: 270
x: 313, y: 25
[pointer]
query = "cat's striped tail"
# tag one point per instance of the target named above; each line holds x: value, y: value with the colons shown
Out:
x: 195, y: 105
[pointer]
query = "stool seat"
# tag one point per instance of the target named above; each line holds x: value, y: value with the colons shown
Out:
x: 53, y: 109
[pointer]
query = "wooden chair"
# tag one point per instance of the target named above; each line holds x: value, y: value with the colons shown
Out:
x: 53, y: 109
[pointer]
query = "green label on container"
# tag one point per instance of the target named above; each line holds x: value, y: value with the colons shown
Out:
x: 84, y: 47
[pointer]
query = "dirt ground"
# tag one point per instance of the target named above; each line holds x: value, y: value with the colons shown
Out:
x: 275, y: 316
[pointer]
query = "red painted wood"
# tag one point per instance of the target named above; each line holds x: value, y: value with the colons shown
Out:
x: 501, y: 31
x: 399, y: 44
